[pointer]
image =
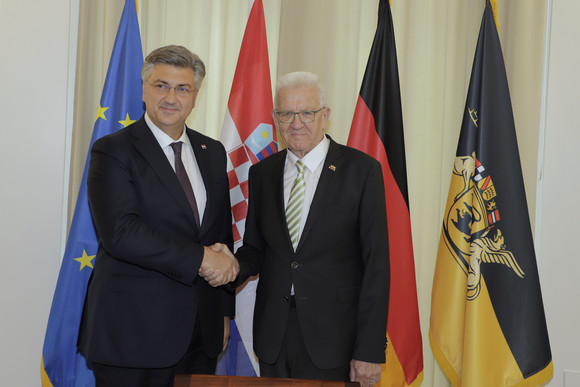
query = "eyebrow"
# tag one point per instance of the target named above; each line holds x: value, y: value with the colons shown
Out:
x: 167, y: 83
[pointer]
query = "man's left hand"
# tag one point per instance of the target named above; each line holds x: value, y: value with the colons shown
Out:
x: 367, y: 374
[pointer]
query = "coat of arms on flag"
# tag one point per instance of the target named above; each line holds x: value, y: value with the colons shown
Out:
x: 257, y: 146
x: 488, y: 326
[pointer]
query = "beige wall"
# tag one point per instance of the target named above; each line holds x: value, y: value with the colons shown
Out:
x: 35, y: 106
x: 558, y: 226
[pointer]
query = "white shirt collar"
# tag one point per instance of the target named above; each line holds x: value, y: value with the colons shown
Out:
x: 313, y: 158
x: 163, y: 138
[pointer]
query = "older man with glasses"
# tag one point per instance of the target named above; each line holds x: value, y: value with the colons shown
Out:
x: 316, y: 234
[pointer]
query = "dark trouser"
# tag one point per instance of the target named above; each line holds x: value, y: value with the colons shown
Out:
x: 294, y: 361
x: 194, y: 361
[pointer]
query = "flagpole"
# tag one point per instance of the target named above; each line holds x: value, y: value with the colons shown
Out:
x: 542, y: 133
x: 69, y: 126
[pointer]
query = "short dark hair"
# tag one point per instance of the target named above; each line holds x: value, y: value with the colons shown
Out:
x: 177, y: 56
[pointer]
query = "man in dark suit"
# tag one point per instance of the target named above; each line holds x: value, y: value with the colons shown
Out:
x: 322, y: 253
x: 159, y: 196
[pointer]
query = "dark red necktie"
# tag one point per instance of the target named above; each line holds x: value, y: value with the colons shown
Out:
x: 184, y: 180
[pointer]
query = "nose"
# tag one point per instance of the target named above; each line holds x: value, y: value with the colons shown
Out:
x: 171, y: 95
x: 296, y: 121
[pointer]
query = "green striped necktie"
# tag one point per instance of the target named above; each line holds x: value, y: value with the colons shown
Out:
x: 294, y: 207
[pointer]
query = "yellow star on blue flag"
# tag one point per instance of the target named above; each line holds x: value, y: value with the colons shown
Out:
x: 127, y: 121
x: 101, y: 113
x: 85, y: 260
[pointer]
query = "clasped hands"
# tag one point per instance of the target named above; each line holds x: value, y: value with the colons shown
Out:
x: 219, y: 266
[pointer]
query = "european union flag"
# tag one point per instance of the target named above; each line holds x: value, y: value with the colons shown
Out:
x: 121, y: 104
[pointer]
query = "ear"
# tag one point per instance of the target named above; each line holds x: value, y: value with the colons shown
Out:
x: 274, y: 118
x: 325, y: 117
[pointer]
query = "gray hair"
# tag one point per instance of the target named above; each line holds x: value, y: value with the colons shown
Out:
x: 177, y: 56
x: 300, y: 79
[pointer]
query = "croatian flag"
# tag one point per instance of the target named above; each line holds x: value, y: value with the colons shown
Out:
x: 248, y: 135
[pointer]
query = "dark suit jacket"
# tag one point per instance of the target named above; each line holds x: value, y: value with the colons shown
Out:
x: 340, y: 269
x: 143, y: 297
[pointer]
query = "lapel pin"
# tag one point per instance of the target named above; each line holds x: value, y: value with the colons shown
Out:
x: 332, y: 167
x: 203, y: 146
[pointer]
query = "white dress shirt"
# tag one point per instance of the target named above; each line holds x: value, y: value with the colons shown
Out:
x: 189, y: 162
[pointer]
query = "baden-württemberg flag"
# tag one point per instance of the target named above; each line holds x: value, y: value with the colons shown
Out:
x: 120, y: 105
x: 487, y: 317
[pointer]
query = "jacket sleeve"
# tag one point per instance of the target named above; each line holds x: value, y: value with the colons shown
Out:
x: 123, y: 229
x: 374, y: 294
x: 228, y: 295
x: 250, y: 256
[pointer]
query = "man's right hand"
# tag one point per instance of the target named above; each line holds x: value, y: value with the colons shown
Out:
x: 219, y: 266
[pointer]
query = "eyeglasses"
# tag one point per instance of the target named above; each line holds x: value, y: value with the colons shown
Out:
x: 305, y: 117
x: 163, y: 88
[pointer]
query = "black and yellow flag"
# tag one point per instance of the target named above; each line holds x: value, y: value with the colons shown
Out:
x: 488, y: 326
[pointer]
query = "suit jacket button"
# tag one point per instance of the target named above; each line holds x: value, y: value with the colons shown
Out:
x: 294, y: 265
x: 286, y: 298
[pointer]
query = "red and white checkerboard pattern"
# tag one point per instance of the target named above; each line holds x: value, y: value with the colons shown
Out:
x: 239, y: 164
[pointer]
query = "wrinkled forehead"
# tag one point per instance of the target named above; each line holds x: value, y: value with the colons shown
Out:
x: 298, y: 98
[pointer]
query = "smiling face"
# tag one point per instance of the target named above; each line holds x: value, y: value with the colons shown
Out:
x: 301, y: 138
x: 167, y: 110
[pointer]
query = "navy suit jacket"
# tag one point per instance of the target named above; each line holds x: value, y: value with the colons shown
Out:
x: 340, y: 269
x: 144, y: 295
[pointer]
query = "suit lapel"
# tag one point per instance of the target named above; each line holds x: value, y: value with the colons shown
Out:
x: 147, y: 145
x: 278, y: 193
x: 329, y: 182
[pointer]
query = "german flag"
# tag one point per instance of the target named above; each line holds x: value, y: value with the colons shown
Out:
x: 488, y: 326
x: 377, y: 129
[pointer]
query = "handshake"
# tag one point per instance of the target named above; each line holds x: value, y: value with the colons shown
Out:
x: 219, y: 266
